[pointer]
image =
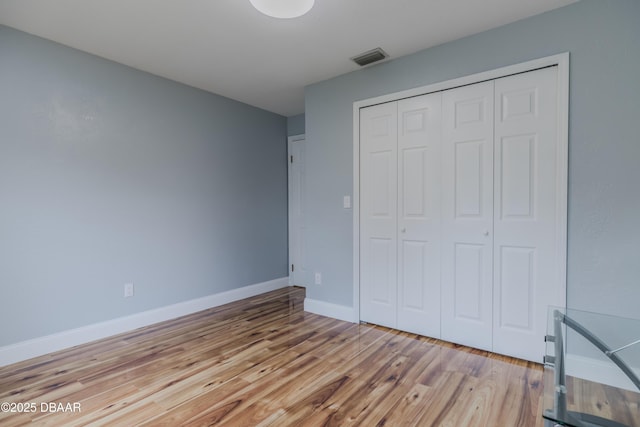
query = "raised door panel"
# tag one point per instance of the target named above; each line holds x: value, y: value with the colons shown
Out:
x: 468, y: 263
x: 526, y: 278
x: 418, y: 228
x: 378, y: 214
x: 467, y: 215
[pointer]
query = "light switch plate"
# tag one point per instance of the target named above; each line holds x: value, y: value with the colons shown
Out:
x: 346, y: 202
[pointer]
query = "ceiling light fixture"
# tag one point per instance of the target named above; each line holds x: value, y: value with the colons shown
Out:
x: 283, y: 8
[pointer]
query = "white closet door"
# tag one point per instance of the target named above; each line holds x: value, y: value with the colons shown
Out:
x: 525, y: 258
x: 419, y: 133
x: 378, y: 210
x: 467, y: 215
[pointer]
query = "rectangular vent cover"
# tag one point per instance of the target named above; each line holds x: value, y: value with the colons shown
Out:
x: 369, y: 57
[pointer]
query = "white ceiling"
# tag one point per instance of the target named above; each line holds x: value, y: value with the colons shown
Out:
x: 229, y: 48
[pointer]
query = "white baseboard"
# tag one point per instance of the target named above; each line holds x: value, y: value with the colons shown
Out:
x: 39, y: 346
x: 599, y: 371
x: 328, y: 309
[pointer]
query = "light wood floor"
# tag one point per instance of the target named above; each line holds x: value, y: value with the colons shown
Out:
x: 264, y: 361
x: 610, y: 403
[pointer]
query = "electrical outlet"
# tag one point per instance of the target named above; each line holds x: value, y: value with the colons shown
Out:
x: 128, y: 290
x: 318, y: 279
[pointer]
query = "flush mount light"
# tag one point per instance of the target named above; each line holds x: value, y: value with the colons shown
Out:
x: 283, y: 8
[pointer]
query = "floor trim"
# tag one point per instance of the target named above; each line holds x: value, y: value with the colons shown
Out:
x: 328, y: 309
x: 599, y: 371
x: 47, y: 344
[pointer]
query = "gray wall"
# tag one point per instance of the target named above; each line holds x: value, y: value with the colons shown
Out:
x: 295, y: 125
x: 110, y: 175
x: 604, y: 150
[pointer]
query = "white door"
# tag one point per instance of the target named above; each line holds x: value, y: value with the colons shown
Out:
x: 296, y: 172
x: 378, y: 214
x: 467, y: 215
x: 525, y: 228
x: 419, y: 129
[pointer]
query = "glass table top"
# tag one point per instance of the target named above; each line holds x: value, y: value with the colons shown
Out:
x: 591, y: 370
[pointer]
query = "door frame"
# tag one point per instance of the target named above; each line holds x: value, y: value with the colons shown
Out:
x: 291, y: 140
x: 562, y: 62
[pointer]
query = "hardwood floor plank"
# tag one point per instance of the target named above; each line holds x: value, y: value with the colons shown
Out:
x: 409, y: 408
x: 450, y: 385
x: 176, y: 413
x: 604, y: 401
x: 91, y: 402
x: 305, y: 369
x: 15, y: 420
x: 377, y: 415
x: 373, y: 374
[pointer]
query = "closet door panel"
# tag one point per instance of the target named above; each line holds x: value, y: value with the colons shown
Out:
x: 525, y: 265
x: 378, y: 210
x: 419, y: 134
x: 467, y: 215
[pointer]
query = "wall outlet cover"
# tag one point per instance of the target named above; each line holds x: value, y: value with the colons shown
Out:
x: 128, y: 290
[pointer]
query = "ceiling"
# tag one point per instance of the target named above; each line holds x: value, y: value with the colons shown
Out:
x: 229, y: 48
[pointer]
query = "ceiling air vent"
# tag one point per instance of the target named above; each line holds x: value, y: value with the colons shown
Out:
x: 369, y: 57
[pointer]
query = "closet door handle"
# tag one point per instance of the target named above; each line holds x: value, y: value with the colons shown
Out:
x: 486, y: 233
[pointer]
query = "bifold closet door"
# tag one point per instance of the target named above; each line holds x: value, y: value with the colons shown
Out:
x: 378, y: 214
x: 459, y: 213
x: 526, y: 260
x: 419, y: 134
x: 400, y: 214
x: 467, y: 215
x: 500, y: 267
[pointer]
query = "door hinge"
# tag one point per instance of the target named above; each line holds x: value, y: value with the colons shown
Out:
x: 291, y: 159
x: 292, y: 268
